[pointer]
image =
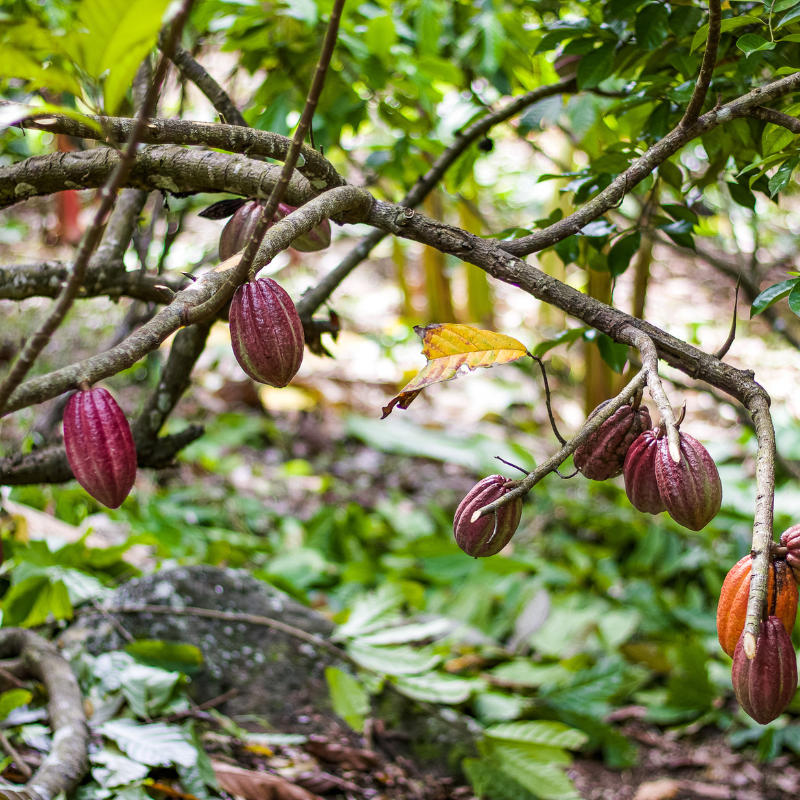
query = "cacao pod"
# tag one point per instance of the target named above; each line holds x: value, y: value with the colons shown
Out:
x: 318, y: 238
x: 99, y: 446
x: 690, y: 489
x: 490, y: 534
x: 602, y: 455
x: 790, y: 539
x: 266, y: 332
x: 241, y: 225
x: 640, y: 474
x: 732, y: 609
x: 239, y: 229
x: 765, y: 685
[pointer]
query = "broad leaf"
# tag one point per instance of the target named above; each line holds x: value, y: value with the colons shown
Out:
x: 349, y: 699
x: 552, y: 734
x: 453, y: 350
x: 436, y: 687
x: 771, y: 295
x: 159, y: 744
x: 393, y: 660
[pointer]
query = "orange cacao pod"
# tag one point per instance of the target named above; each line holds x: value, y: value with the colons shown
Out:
x: 639, y: 472
x: 765, y: 685
x: 602, y: 455
x: 790, y: 539
x: 99, y: 446
x: 490, y: 534
x: 732, y: 609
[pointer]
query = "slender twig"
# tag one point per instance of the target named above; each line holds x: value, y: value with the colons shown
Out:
x: 649, y: 355
x: 191, y: 70
x: 115, y: 623
x: 515, y: 466
x: 707, y: 67
x: 209, y: 704
x: 314, y: 297
x: 246, y: 266
x: 11, y: 751
x: 723, y: 351
x: 37, y: 342
x: 539, y: 361
x: 776, y: 118
x: 569, y: 447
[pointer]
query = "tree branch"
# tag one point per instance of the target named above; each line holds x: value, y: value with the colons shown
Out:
x: 775, y: 117
x: 20, y: 281
x: 707, y: 67
x: 192, y: 71
x: 67, y: 762
x: 313, y: 298
x: 190, y: 305
x: 37, y: 342
x: 234, y: 139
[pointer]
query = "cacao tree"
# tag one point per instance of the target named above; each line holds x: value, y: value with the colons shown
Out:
x: 680, y: 113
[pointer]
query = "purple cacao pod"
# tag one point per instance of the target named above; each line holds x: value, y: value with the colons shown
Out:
x: 490, y: 534
x: 239, y: 229
x: 99, y: 446
x: 765, y: 685
x: 602, y: 455
x: 318, y: 238
x: 691, y: 489
x: 266, y: 332
x: 790, y: 539
x: 640, y: 474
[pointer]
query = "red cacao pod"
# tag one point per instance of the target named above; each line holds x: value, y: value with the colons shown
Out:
x: 266, y: 332
x: 790, y: 539
x: 732, y: 609
x: 691, y: 488
x: 602, y: 455
x: 99, y: 446
x: 318, y: 238
x: 490, y: 534
x: 239, y: 229
x: 765, y: 685
x: 241, y: 225
x: 640, y: 474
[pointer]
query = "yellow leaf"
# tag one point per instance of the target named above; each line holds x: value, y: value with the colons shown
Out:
x: 453, y: 350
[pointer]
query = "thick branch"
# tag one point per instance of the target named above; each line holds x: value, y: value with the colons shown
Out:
x: 164, y: 168
x: 197, y: 302
x: 45, y: 279
x: 232, y: 138
x: 67, y: 762
x: 707, y: 67
x: 194, y: 72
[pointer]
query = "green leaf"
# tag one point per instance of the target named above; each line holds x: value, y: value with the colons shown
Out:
x: 172, y: 656
x: 613, y: 353
x: 547, y: 781
x: 147, y: 689
x: 410, y: 633
x: 652, y: 25
x: 783, y: 175
x: 429, y: 26
x: 771, y: 295
x: 783, y: 5
x: 790, y: 17
x: 570, y: 335
x: 752, y: 43
x: 436, y: 687
x: 552, y: 734
x: 13, y: 698
x: 111, y: 769
x: 393, y: 660
x: 727, y: 25
x: 596, y: 66
x: 568, y: 250
x: 158, y: 745
x: 672, y: 174
x: 622, y: 253
x: 370, y: 613
x: 794, y: 300
x: 350, y: 700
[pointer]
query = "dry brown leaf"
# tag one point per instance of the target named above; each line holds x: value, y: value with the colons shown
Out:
x: 657, y: 790
x: 346, y: 757
x: 257, y: 785
x: 450, y: 348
